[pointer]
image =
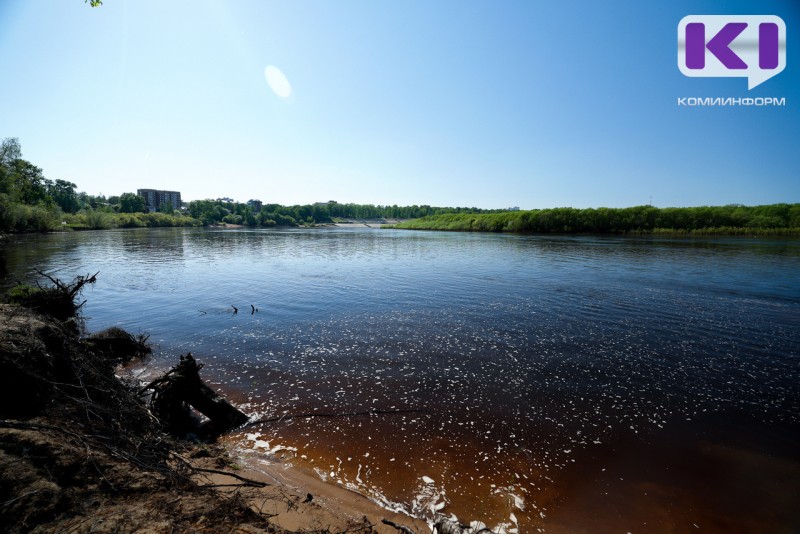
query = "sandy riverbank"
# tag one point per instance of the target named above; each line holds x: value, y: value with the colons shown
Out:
x: 298, y: 501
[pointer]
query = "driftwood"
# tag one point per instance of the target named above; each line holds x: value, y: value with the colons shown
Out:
x: 445, y: 526
x: 182, y: 387
x: 401, y: 528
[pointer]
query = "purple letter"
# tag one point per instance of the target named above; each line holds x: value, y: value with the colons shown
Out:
x: 718, y: 45
x: 768, y: 45
x: 695, y: 45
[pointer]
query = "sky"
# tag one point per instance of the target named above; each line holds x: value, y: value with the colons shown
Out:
x: 447, y: 103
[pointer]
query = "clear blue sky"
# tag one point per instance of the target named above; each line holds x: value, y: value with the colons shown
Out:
x: 487, y: 104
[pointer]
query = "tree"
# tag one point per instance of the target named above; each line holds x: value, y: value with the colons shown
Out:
x: 29, y: 183
x: 63, y: 194
x: 131, y: 203
x: 6, y: 181
x: 10, y: 151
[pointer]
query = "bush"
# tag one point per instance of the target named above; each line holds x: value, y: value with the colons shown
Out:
x: 97, y: 220
x: 15, y: 217
x: 129, y: 220
x: 232, y: 219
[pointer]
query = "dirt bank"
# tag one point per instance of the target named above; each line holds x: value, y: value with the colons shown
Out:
x: 79, y: 452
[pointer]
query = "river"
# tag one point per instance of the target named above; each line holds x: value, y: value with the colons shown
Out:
x: 564, y: 383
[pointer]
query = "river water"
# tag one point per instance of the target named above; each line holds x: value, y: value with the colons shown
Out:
x: 561, y: 384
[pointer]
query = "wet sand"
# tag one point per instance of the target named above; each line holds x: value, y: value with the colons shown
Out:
x: 286, y: 501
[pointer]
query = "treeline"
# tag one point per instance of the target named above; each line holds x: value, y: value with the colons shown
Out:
x: 30, y: 202
x: 731, y: 219
x: 212, y: 212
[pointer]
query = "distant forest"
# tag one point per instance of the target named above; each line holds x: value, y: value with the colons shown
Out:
x: 774, y: 219
x: 213, y: 211
x: 29, y: 202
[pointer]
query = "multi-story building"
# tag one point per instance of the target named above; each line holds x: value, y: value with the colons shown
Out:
x: 156, y: 200
x: 254, y: 204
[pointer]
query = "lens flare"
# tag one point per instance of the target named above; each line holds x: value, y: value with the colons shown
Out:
x: 277, y: 81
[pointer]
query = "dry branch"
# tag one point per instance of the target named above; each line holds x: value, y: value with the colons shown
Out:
x: 56, y: 300
x: 445, y: 526
x: 401, y: 528
x: 246, y: 481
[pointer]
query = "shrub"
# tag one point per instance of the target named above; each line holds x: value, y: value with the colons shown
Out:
x: 97, y: 220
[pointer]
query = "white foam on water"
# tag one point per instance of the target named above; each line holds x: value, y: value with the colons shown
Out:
x: 358, y: 475
x: 322, y: 474
x: 259, y: 443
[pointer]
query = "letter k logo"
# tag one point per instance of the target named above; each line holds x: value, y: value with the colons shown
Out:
x: 739, y: 46
x: 719, y: 45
